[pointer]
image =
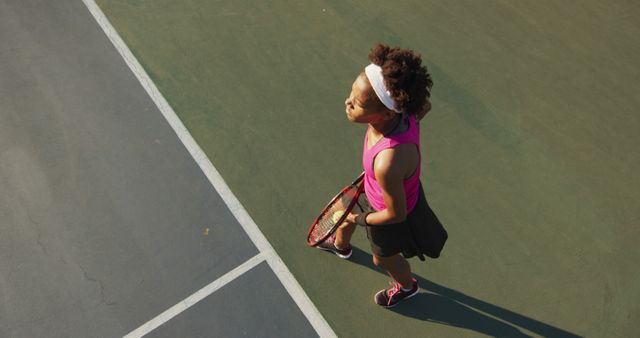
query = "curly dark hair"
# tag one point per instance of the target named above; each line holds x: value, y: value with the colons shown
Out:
x: 406, y: 79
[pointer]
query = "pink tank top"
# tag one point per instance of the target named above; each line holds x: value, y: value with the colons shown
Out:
x: 411, y: 185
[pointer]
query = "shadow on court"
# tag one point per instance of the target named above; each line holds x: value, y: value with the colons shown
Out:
x: 447, y: 306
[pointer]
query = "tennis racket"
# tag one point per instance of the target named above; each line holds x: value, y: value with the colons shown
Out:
x: 335, y: 212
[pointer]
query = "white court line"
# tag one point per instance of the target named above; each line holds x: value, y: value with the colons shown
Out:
x: 259, y: 240
x: 196, y: 297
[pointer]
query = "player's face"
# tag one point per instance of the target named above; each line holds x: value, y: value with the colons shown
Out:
x: 362, y: 105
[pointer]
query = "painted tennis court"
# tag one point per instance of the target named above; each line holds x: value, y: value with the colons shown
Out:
x: 161, y: 161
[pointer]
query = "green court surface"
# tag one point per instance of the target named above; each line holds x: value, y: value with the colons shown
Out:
x: 531, y: 148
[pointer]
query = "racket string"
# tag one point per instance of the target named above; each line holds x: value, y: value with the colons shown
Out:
x: 327, y: 221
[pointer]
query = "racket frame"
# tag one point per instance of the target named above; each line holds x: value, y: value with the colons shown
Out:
x: 359, y: 183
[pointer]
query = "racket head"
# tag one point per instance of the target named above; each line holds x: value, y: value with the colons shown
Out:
x: 335, y: 212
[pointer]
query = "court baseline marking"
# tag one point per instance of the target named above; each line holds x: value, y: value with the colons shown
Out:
x: 267, y: 252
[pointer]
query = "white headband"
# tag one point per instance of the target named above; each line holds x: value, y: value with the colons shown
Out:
x: 374, y: 74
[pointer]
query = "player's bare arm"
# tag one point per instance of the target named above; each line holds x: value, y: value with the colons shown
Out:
x: 392, y: 166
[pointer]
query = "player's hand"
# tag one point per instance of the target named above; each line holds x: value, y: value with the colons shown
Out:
x: 348, y: 221
x: 351, y: 218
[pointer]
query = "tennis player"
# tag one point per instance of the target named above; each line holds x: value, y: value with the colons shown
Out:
x: 391, y: 95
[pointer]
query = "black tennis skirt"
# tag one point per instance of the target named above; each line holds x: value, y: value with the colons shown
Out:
x: 421, y: 233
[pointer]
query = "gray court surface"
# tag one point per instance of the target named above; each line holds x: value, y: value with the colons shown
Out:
x: 105, y: 219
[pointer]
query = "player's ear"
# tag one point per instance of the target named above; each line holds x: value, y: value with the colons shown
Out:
x: 389, y: 114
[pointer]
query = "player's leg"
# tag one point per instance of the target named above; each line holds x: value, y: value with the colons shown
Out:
x: 397, y: 267
x: 405, y: 286
x: 344, y: 234
x: 339, y: 242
